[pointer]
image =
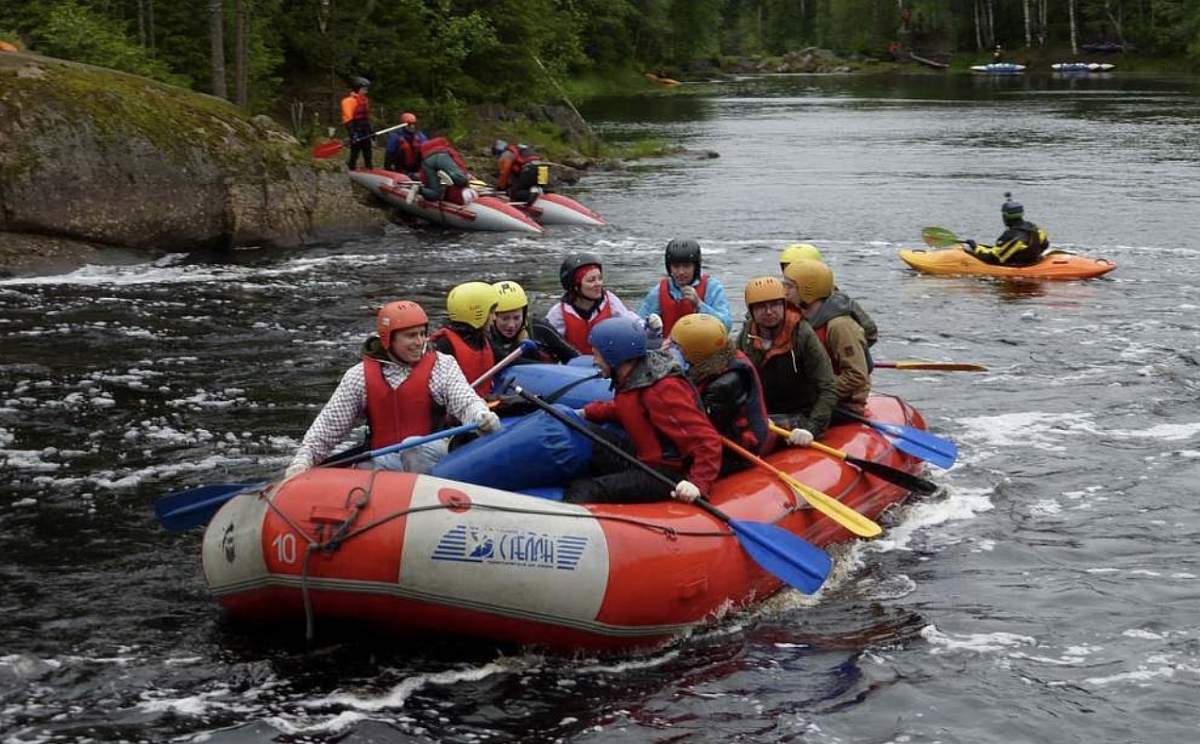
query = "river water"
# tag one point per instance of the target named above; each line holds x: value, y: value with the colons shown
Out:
x: 1050, y: 594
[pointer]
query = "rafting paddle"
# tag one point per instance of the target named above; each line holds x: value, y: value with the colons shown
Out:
x: 911, y: 440
x: 788, y: 557
x: 333, y: 147
x: 194, y: 507
x: 924, y: 364
x: 907, y: 481
x: 822, y: 502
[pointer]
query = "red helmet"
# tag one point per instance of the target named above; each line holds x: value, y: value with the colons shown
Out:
x: 396, y: 316
x: 408, y: 118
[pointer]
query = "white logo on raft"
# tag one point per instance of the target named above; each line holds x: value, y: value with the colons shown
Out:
x: 511, y: 547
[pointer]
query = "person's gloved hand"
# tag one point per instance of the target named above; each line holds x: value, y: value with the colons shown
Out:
x: 444, y: 178
x: 689, y: 294
x: 488, y: 422
x: 299, y: 464
x: 685, y: 491
x: 654, y: 323
x: 800, y: 437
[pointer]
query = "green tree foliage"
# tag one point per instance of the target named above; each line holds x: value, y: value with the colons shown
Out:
x: 439, y: 54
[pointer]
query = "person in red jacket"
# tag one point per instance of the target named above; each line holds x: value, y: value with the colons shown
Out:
x: 356, y: 117
x: 662, y: 414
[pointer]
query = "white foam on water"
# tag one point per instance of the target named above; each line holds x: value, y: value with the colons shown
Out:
x: 1030, y: 429
x: 960, y: 504
x: 1169, y: 432
x: 154, y: 273
x: 976, y: 643
x: 1143, y: 634
x: 334, y: 725
x: 396, y: 697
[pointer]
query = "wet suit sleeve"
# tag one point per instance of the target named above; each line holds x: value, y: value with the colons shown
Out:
x: 715, y: 303
x: 650, y: 303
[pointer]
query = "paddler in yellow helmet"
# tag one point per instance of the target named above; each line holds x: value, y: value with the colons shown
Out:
x: 807, y: 251
x: 513, y: 325
x: 471, y: 308
x: 829, y: 314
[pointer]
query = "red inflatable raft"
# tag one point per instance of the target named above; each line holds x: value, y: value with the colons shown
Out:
x: 420, y: 555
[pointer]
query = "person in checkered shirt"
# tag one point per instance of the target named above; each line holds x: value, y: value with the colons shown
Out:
x: 404, y: 389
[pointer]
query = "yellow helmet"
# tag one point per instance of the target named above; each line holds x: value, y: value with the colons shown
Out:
x: 799, y: 252
x: 764, y: 289
x: 472, y: 303
x: 699, y: 336
x: 813, y: 279
x: 512, y: 297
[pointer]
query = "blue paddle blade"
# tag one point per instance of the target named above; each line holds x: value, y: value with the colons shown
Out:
x: 194, y: 507
x: 920, y: 443
x: 791, y: 558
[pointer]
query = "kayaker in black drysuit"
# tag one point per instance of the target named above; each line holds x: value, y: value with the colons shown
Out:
x: 1021, y: 244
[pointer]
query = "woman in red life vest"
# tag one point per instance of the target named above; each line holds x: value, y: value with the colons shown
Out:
x: 356, y: 117
x: 661, y: 413
x: 470, y: 307
x: 729, y: 386
x: 403, y: 389
x: 684, y: 290
x: 585, y: 302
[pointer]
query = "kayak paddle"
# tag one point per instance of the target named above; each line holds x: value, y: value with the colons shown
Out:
x: 935, y: 366
x: 822, y: 502
x: 907, y: 481
x: 195, y: 506
x: 939, y: 237
x: 911, y: 440
x: 790, y: 558
x: 333, y: 147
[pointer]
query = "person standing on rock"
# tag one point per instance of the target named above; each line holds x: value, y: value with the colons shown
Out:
x: 356, y: 117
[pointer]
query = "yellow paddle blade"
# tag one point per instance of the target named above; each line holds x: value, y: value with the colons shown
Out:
x: 822, y: 502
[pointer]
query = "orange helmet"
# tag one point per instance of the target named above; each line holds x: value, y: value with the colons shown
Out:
x: 396, y: 316
x: 764, y: 289
x: 408, y: 118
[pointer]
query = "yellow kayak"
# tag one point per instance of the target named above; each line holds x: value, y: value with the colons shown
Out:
x: 957, y: 262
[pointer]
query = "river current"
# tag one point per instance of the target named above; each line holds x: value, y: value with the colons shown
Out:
x: 1049, y: 594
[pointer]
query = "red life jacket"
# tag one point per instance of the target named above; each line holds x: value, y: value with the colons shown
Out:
x: 405, y: 411
x: 578, y: 328
x: 752, y: 427
x: 409, y: 154
x: 651, y: 446
x: 672, y: 309
x: 523, y: 156
x: 473, y: 362
x: 441, y: 144
x: 362, y: 107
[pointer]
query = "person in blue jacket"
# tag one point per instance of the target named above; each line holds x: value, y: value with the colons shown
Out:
x: 403, y: 152
x: 684, y: 290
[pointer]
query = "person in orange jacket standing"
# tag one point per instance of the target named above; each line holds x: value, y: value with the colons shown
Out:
x: 356, y: 116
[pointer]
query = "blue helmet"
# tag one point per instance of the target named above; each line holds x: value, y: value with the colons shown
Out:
x: 499, y: 146
x: 618, y: 340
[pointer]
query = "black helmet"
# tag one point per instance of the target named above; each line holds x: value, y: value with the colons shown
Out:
x: 571, y: 264
x: 1011, y: 211
x: 683, y: 251
x: 359, y: 82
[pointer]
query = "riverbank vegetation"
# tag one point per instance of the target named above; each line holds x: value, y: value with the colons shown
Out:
x: 291, y: 58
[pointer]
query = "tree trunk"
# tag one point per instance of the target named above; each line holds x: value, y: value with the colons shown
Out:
x: 1044, y: 27
x: 1074, y: 36
x: 241, y: 43
x: 1115, y: 19
x: 216, y: 41
x: 141, y: 6
x: 1028, y: 38
x: 991, y: 22
x: 150, y: 21
x: 978, y: 31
